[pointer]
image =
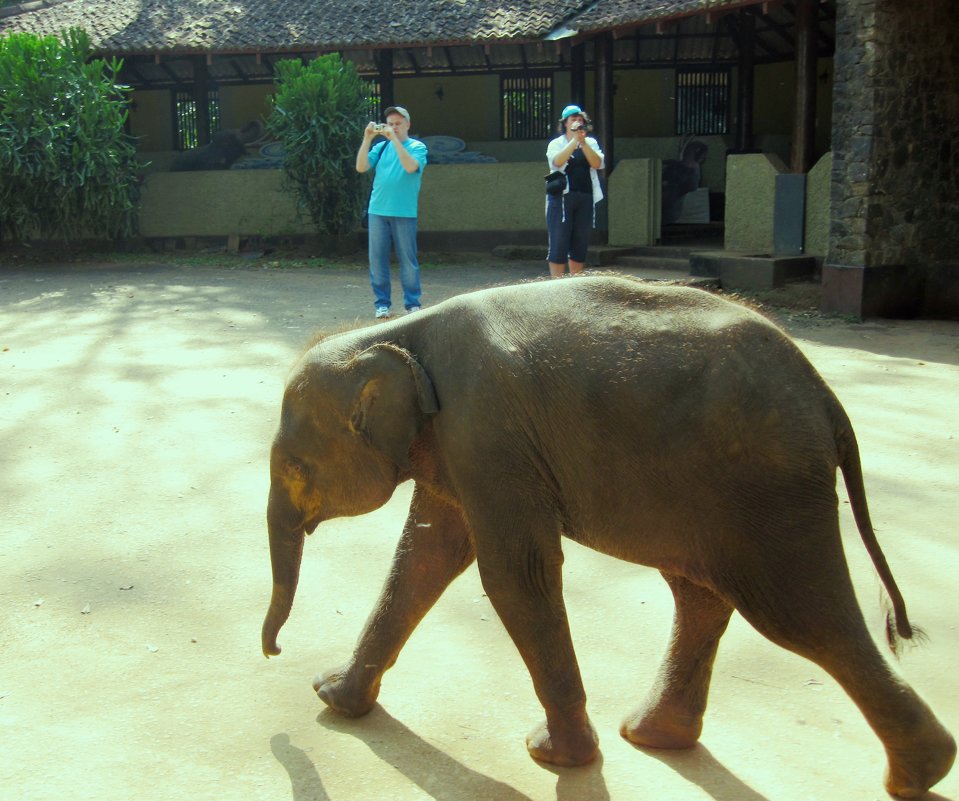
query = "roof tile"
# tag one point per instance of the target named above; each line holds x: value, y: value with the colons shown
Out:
x: 237, y: 25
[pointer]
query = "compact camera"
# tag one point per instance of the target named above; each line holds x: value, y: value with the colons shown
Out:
x: 380, y: 127
x: 580, y: 126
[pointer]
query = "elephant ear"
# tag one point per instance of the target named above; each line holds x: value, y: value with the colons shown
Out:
x: 393, y: 401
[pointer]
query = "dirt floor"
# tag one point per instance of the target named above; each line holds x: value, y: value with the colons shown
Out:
x: 137, y: 405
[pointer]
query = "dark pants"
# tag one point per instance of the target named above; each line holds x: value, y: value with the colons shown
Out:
x: 569, y: 220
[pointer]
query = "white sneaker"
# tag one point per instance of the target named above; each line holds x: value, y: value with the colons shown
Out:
x: 412, y: 309
x: 382, y: 311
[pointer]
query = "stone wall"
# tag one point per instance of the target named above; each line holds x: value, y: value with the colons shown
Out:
x: 219, y: 203
x: 456, y: 200
x: 895, y: 187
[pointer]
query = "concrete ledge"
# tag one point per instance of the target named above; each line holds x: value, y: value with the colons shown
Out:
x: 741, y: 271
x: 941, y: 297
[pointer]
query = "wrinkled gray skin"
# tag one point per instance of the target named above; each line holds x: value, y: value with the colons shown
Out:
x: 660, y: 425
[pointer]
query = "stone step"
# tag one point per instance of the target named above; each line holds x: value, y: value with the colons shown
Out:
x: 666, y: 251
x: 653, y: 261
x: 606, y: 255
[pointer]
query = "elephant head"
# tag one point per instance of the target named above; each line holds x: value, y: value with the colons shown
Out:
x: 343, y: 445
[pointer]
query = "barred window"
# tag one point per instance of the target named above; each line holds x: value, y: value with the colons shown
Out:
x: 187, y: 133
x: 702, y: 101
x: 527, y: 107
x: 373, y: 100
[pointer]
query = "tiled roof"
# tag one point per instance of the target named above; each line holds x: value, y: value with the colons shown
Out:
x: 130, y: 26
x: 610, y: 14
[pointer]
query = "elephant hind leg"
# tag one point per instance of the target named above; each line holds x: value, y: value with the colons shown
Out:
x: 814, y: 613
x: 672, y: 714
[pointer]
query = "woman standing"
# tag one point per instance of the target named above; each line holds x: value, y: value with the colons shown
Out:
x: 569, y: 216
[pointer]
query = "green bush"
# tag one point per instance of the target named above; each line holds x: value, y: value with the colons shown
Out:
x: 318, y: 115
x: 67, y: 168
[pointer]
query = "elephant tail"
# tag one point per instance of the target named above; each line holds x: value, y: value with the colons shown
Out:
x: 898, y: 627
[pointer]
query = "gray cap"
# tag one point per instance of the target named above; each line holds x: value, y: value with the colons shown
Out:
x: 397, y: 110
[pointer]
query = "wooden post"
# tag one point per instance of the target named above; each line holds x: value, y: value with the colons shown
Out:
x: 804, y: 122
x: 604, y: 96
x: 201, y: 99
x: 577, y: 75
x: 744, y: 97
x: 385, y: 65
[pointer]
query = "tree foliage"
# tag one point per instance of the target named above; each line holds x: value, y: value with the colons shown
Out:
x: 67, y: 168
x: 318, y: 115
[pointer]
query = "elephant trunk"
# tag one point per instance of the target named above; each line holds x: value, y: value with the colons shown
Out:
x: 286, y: 552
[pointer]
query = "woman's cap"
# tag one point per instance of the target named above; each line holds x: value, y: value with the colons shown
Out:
x: 569, y: 111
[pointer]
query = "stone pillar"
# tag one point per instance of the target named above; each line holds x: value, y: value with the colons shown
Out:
x: 895, y: 179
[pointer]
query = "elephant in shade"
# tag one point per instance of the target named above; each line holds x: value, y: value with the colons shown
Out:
x: 680, y: 177
x: 224, y: 149
x: 660, y: 425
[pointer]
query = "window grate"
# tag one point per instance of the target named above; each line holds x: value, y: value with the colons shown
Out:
x: 373, y: 100
x: 702, y: 102
x: 527, y: 107
x: 186, y: 118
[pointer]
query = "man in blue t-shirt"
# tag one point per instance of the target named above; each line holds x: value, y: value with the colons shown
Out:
x: 399, y: 162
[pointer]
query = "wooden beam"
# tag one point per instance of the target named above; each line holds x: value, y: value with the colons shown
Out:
x: 412, y: 57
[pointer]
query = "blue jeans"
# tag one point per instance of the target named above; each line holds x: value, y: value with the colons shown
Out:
x: 399, y: 233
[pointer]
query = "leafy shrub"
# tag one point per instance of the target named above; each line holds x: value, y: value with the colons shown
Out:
x: 318, y: 115
x: 67, y: 168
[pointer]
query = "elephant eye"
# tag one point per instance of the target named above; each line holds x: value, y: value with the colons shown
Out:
x: 296, y: 468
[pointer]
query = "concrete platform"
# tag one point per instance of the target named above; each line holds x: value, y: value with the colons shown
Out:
x: 749, y: 272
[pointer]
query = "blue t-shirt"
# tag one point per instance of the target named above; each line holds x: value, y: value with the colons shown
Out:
x: 395, y: 191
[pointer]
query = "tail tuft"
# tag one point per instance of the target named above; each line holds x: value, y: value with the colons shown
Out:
x: 898, y: 628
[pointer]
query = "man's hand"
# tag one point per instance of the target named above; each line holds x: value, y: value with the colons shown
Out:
x: 374, y: 129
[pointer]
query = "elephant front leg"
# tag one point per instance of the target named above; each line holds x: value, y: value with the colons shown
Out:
x: 672, y: 714
x: 434, y: 549
x: 523, y: 580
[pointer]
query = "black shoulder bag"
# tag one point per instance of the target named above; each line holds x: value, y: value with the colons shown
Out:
x: 555, y: 183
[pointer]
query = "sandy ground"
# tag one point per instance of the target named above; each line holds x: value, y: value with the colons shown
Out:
x: 137, y: 405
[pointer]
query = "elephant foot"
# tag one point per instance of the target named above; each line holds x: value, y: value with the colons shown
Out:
x: 912, y: 771
x: 343, y: 691
x: 659, y: 728
x: 565, y: 746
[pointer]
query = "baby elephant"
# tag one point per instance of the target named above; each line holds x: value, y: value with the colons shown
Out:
x: 661, y: 425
